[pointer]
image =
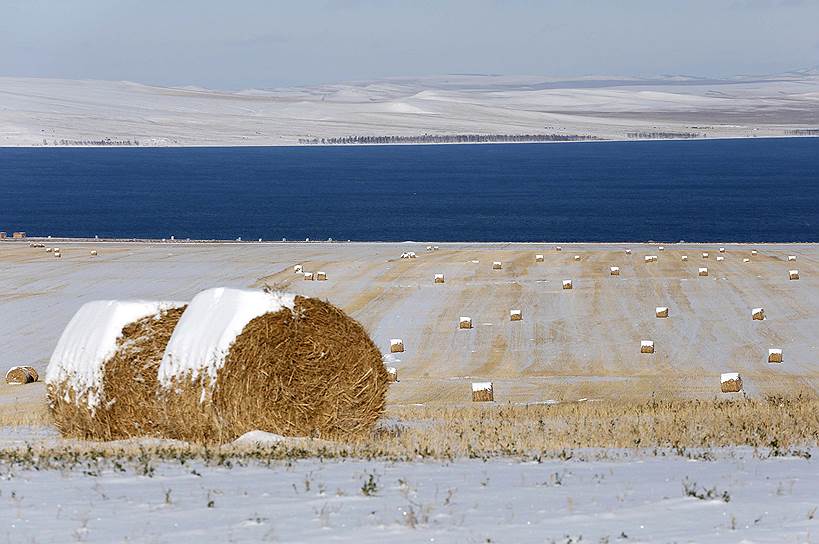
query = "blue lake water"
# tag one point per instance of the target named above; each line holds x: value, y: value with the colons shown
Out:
x: 719, y: 190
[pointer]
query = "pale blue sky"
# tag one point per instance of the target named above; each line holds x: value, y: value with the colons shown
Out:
x: 256, y: 43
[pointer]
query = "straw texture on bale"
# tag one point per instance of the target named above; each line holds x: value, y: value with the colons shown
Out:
x: 311, y: 371
x: 465, y: 323
x: 538, y: 258
x: 793, y: 274
x: 497, y: 265
x: 19, y: 375
x: 483, y: 392
x: 731, y: 383
x: 515, y: 315
x: 775, y: 355
x: 439, y: 278
x: 128, y: 396
x: 614, y: 270
x: 758, y: 314
x: 703, y: 272
x: 661, y: 311
x: 392, y: 374
x: 567, y: 284
x: 646, y: 346
x: 396, y: 345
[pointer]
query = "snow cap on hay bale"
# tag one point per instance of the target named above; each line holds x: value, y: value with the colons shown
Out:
x: 435, y: 248
x: 722, y: 250
x: 730, y: 382
x: 720, y: 258
x: 482, y: 392
x: 704, y: 254
x: 646, y: 346
x: 439, y: 278
x: 793, y: 274
x: 309, y: 276
x: 429, y: 248
x: 661, y: 311
x: 684, y: 258
x: 775, y: 355
x: 93, y: 252
x: 321, y: 276
x: 791, y: 257
x: 392, y: 374
x: 241, y: 360
x: 57, y: 254
x: 464, y: 322
x: 758, y: 314
x: 577, y: 257
x: 650, y: 258
x: 515, y: 315
x: 19, y: 375
x: 567, y: 284
x: 558, y: 248
x: 628, y: 252
x: 661, y: 248
x: 396, y: 345
x: 754, y: 252
x: 702, y: 272
x: 101, y: 379
x: 298, y: 269
x: 49, y: 250
x: 538, y: 258
x: 497, y: 265
x: 614, y: 270
x: 746, y: 260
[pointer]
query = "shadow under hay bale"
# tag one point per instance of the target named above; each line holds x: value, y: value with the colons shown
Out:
x: 305, y: 370
x: 124, y: 403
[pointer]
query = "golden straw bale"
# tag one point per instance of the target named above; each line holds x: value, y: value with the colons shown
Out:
x: 19, y: 375
x: 730, y: 382
x: 482, y: 392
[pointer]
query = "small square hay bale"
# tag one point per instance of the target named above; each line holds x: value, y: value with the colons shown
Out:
x: 515, y: 315
x: 439, y: 278
x: 538, y: 258
x: 396, y: 345
x: 308, y: 276
x: 392, y: 374
x: 684, y: 258
x: 482, y: 392
x: 577, y: 257
x: 321, y: 276
x: 465, y: 322
x: 793, y: 274
x: 720, y: 258
x: 646, y: 346
x: 298, y: 269
x: 746, y: 260
x: 775, y: 355
x: 567, y: 284
x: 791, y: 257
x: 722, y: 250
x: 614, y: 270
x: 628, y: 252
x: 758, y: 314
x: 703, y: 272
x: 730, y: 382
x: 661, y: 311
x: 497, y: 265
x: 704, y: 254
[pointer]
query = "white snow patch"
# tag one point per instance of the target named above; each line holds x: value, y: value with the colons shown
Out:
x: 210, y: 325
x: 90, y: 338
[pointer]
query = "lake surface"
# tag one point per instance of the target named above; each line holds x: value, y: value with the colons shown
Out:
x: 719, y: 190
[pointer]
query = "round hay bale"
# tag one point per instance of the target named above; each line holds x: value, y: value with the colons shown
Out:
x: 19, y: 375
x: 251, y: 360
x: 102, y: 378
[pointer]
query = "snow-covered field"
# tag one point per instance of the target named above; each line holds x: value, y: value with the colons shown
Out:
x: 625, y: 496
x: 45, y: 111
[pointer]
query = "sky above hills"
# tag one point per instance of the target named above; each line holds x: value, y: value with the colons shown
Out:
x: 262, y: 44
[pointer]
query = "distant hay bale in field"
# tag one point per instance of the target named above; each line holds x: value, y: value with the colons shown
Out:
x: 722, y: 250
x: 730, y: 382
x: 661, y: 248
x: 684, y: 258
x: 102, y: 377
x: 482, y: 392
x: 758, y: 314
x: 412, y: 254
x: 614, y: 270
x: 720, y: 258
x: 321, y: 276
x: 577, y: 257
x: 396, y: 345
x: 704, y: 254
x: 567, y: 284
x: 628, y: 252
x: 429, y: 248
x: 439, y: 278
x: 405, y: 255
x: 538, y: 258
x: 392, y: 374
x: 754, y: 252
x: 298, y: 269
x: 515, y: 315
x: 464, y: 322
x: 746, y: 260
x: 49, y: 250
x: 661, y: 311
x: 435, y: 248
x: 775, y: 355
x: 497, y: 265
x: 702, y: 272
x: 309, y: 276
x: 791, y: 257
x: 58, y: 255
x: 242, y: 360
x: 558, y: 248
x: 20, y: 375
x: 650, y: 258
x: 646, y: 346
x: 793, y: 274
x: 93, y: 252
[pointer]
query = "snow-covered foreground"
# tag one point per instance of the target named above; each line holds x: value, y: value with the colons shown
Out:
x: 632, y: 498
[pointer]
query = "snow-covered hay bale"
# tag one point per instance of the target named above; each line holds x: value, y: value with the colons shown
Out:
x: 650, y: 258
x: 392, y: 374
x: 412, y: 255
x: 321, y: 276
x: 704, y: 254
x: 775, y: 355
x: 614, y: 270
x: 793, y: 274
x: 754, y: 252
x: 661, y: 248
x: 702, y: 272
x: 497, y: 265
x: 722, y: 250
x: 684, y: 258
x: 628, y: 252
x: 730, y: 382
x: 791, y: 257
x: 49, y: 250
x: 758, y: 314
x: 558, y: 248
x: 567, y: 284
x: 482, y: 392
x: 396, y: 345
x: 439, y: 278
x: 93, y: 252
x: 309, y: 276
x: 102, y: 377
x: 538, y: 258
x: 20, y: 375
x: 241, y: 360
x: 515, y: 315
x: 577, y: 257
x: 298, y: 269
x: 646, y: 346
x: 746, y: 260
x: 661, y: 311
x: 720, y: 258
x: 464, y: 322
